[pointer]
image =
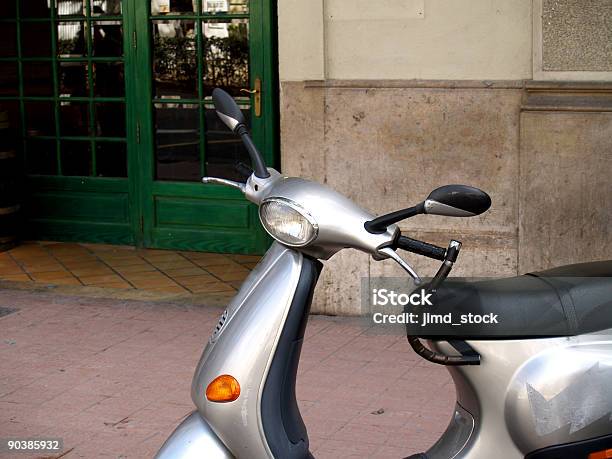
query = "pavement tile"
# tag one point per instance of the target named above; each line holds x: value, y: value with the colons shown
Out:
x: 100, y: 279
x: 46, y: 267
x: 98, y: 270
x: 82, y: 264
x: 169, y: 289
x: 231, y: 275
x: 166, y: 257
x: 9, y: 268
x: 151, y: 283
x: 197, y: 280
x: 181, y: 263
x: 64, y: 281
x: 141, y: 267
x: 184, y: 272
x: 245, y: 258
x: 160, y: 273
x: 16, y: 277
x: 51, y: 275
x: 115, y: 284
x: 211, y: 259
x: 212, y: 287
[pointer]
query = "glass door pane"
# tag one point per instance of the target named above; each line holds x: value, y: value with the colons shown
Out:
x: 197, y: 45
x: 194, y: 46
x: 73, y: 85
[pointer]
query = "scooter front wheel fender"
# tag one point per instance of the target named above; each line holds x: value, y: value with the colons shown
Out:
x: 193, y: 439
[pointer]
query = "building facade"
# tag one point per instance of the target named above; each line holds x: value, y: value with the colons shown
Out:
x: 386, y: 100
x: 381, y: 100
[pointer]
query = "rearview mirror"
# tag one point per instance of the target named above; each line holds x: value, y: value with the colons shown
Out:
x: 227, y: 109
x: 457, y: 201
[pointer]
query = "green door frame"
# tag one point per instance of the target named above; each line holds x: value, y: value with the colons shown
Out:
x: 147, y: 193
x: 123, y: 211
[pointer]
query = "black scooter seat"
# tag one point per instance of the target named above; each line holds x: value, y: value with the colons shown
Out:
x: 565, y: 301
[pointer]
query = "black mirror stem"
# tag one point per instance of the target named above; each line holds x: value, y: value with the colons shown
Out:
x: 259, y: 167
x: 380, y: 224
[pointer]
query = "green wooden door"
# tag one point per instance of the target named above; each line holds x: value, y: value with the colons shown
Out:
x: 64, y: 67
x: 111, y: 102
x: 186, y: 48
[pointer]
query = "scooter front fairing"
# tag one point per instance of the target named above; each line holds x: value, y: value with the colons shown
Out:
x: 258, y: 342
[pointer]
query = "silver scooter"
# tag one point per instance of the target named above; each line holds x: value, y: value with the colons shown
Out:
x: 544, y: 393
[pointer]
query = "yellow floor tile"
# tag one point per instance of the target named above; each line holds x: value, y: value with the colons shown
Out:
x: 14, y: 269
x: 188, y: 281
x: 76, y: 264
x: 228, y: 272
x: 210, y: 259
x: 183, y: 272
x: 125, y: 260
x: 15, y: 277
x: 212, y: 288
x: 121, y: 285
x: 145, y: 275
x: 76, y: 258
x: 52, y: 276
x: 176, y: 264
x: 164, y: 258
x: 100, y: 270
x: 45, y: 268
x: 8, y: 264
x: 246, y: 258
x: 124, y: 267
x: 36, y: 260
x: 108, y: 247
x: 152, y: 283
x: 136, y: 270
x: 62, y: 281
x: 93, y: 280
x: 169, y: 289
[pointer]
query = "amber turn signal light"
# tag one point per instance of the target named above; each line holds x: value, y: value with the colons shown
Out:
x: 604, y: 454
x: 224, y: 388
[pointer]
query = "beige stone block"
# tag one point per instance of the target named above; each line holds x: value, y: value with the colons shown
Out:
x: 303, y: 129
x: 339, y: 288
x: 565, y: 189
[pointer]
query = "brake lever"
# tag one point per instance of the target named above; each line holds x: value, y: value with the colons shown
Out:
x: 392, y: 254
x: 221, y: 181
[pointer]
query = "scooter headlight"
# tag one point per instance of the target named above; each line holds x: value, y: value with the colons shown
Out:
x: 288, y: 222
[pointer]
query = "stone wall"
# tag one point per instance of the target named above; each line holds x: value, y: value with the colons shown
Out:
x: 384, y: 104
x: 543, y: 153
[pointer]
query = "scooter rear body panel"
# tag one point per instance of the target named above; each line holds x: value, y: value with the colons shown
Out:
x: 528, y: 395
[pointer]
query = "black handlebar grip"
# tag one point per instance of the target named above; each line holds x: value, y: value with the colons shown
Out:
x: 421, y: 248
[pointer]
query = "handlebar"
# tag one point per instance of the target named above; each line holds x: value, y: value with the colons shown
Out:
x: 420, y: 248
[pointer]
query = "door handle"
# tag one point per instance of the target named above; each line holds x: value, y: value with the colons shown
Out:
x: 256, y: 93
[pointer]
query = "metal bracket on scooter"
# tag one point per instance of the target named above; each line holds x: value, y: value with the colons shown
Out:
x: 256, y: 188
x: 468, y: 355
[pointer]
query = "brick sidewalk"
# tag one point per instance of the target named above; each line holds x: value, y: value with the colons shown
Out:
x: 112, y: 377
